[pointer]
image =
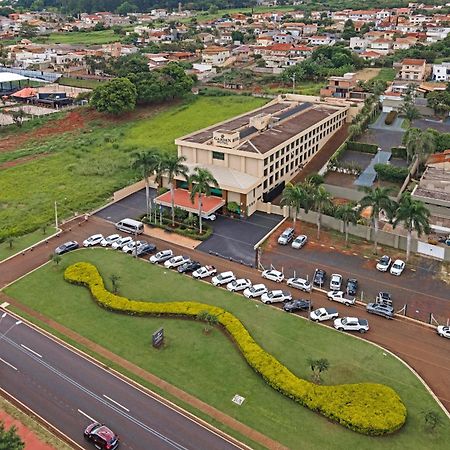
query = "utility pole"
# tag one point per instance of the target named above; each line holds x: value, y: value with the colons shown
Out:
x: 293, y: 83
x: 56, y: 215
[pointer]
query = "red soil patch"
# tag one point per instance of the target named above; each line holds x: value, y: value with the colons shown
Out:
x: 32, y: 442
x: 19, y: 161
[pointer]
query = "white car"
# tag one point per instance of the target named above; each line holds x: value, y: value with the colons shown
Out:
x: 223, y: 278
x: 335, y: 282
x: 351, y: 324
x: 384, y: 263
x: 209, y: 217
x: 321, y: 314
x: 129, y: 248
x: 204, y: 271
x: 339, y: 296
x: 299, y: 241
x: 273, y: 275
x: 95, y: 239
x: 121, y: 242
x: 109, y: 240
x: 300, y: 283
x: 161, y: 256
x: 398, y: 267
x: 275, y: 297
x: 176, y: 261
x: 239, y: 285
x: 255, y: 291
x: 443, y: 331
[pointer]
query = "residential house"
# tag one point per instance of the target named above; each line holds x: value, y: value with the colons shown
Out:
x: 321, y: 40
x: 205, y: 38
x: 216, y: 56
x: 404, y: 43
x: 437, y: 34
x: 359, y: 43
x: 339, y: 87
x: 413, y: 70
x: 381, y: 45
x: 282, y: 38
x: 441, y: 72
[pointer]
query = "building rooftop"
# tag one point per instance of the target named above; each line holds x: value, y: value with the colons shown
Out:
x: 434, y: 184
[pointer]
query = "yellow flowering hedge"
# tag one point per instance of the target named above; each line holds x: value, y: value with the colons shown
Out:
x: 368, y: 408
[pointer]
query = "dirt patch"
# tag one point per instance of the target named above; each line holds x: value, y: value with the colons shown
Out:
x: 367, y: 74
x: 445, y: 273
x: 19, y: 161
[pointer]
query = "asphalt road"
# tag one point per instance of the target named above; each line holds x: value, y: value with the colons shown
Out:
x: 67, y: 390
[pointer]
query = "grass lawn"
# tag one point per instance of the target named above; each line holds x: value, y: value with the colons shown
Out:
x: 79, y: 37
x: 83, y: 169
x: 386, y: 74
x: 22, y: 242
x: 74, y: 82
x: 210, y: 368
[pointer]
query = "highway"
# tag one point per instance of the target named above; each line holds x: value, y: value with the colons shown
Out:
x: 69, y: 391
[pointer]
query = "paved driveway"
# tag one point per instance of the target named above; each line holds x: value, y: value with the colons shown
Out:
x: 441, y: 126
x: 235, y: 238
x: 383, y: 138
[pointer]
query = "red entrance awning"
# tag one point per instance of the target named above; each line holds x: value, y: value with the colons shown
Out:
x: 182, y: 199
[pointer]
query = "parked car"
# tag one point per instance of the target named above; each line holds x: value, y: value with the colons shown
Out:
x: 351, y: 324
x: 443, y: 331
x: 273, y: 275
x: 339, y: 296
x: 129, y: 248
x: 161, y: 256
x: 223, y: 278
x: 66, y: 247
x: 239, y: 285
x: 176, y: 261
x: 144, y: 248
x: 352, y: 286
x: 95, y: 239
x: 255, y: 291
x: 286, y: 236
x: 299, y: 241
x: 189, y: 266
x: 117, y: 245
x: 209, y: 217
x: 398, y: 267
x: 109, y: 240
x: 204, y: 271
x: 101, y: 436
x: 384, y: 263
x: 297, y: 305
x: 300, y: 283
x: 276, y: 296
x: 321, y: 314
x: 380, y: 310
x: 319, y: 277
x: 335, y: 282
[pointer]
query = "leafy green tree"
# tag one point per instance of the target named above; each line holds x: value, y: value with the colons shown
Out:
x: 295, y: 196
x: 439, y: 101
x: 128, y: 64
x: 176, y: 81
x: 237, y: 36
x: 322, y: 200
x: 377, y: 199
x: 9, y: 439
x: 202, y: 180
x: 414, y: 216
x: 126, y: 8
x: 419, y: 143
x: 115, y: 97
x: 410, y: 112
x: 149, y: 86
x: 348, y: 214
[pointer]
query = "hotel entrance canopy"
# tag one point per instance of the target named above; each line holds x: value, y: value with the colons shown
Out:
x: 182, y: 199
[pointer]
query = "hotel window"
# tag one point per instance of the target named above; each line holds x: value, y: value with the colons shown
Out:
x: 218, y: 155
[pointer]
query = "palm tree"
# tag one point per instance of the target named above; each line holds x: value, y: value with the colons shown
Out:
x: 173, y: 167
x: 294, y: 197
x: 411, y: 141
x: 410, y: 112
x: 148, y: 162
x: 355, y: 129
x: 322, y: 200
x: 347, y: 214
x: 419, y: 143
x: 377, y: 199
x: 201, y: 180
x: 427, y: 146
x: 414, y: 216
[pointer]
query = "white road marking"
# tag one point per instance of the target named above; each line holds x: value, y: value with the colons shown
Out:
x: 32, y: 351
x: 117, y: 403
x: 85, y: 415
x: 8, y: 364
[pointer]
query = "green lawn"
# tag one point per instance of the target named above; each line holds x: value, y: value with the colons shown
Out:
x: 386, y: 74
x: 210, y: 368
x: 74, y: 82
x: 83, y: 169
x: 79, y: 37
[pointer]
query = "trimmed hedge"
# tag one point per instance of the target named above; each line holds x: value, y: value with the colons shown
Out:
x: 391, y: 116
x: 388, y: 172
x: 362, y: 147
x: 367, y: 408
x: 399, y: 152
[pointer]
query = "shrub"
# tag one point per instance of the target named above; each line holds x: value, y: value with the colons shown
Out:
x: 362, y: 147
x: 233, y: 207
x: 391, y: 116
x: 399, y: 152
x: 367, y: 408
x: 388, y: 172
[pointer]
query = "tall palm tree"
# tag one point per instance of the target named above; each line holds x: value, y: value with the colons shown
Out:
x: 202, y: 180
x: 348, y: 215
x: 173, y: 167
x: 147, y: 162
x: 419, y: 143
x: 322, y: 200
x: 377, y: 199
x: 294, y: 196
x: 414, y: 216
x: 427, y: 145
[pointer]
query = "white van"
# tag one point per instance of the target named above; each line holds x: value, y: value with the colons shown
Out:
x: 130, y: 226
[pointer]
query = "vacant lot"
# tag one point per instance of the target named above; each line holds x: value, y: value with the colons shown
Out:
x: 82, y: 38
x: 210, y: 368
x: 74, y: 82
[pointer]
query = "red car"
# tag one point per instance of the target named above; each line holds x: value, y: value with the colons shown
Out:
x: 101, y: 436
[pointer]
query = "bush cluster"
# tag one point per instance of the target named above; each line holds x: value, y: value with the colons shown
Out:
x: 182, y: 228
x: 399, y: 152
x: 391, y: 116
x: 362, y: 147
x: 367, y: 408
x: 388, y: 172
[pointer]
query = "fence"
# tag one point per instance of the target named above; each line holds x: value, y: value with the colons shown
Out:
x: 49, y: 77
x: 126, y: 191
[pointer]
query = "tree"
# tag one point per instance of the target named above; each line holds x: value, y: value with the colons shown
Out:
x: 9, y: 439
x: 377, y: 199
x: 10, y: 240
x: 128, y: 64
x: 414, y: 216
x: 237, y: 36
x: 322, y: 200
x: 355, y: 129
x: 210, y: 319
x: 318, y: 366
x: 348, y: 215
x: 314, y: 179
x: 439, y: 101
x: 175, y: 80
x: 419, y: 143
x: 115, y: 97
x: 410, y: 112
x: 55, y: 258
x: 294, y: 196
x: 201, y: 180
x: 173, y: 167
x: 126, y: 8
x: 115, y: 282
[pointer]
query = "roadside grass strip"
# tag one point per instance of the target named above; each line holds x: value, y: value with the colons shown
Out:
x: 367, y: 408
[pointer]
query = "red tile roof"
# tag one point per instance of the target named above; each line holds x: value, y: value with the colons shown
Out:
x: 182, y: 199
x: 414, y: 62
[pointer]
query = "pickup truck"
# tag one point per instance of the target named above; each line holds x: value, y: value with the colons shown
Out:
x: 205, y: 271
x: 351, y: 324
x: 339, y: 296
x: 321, y: 314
